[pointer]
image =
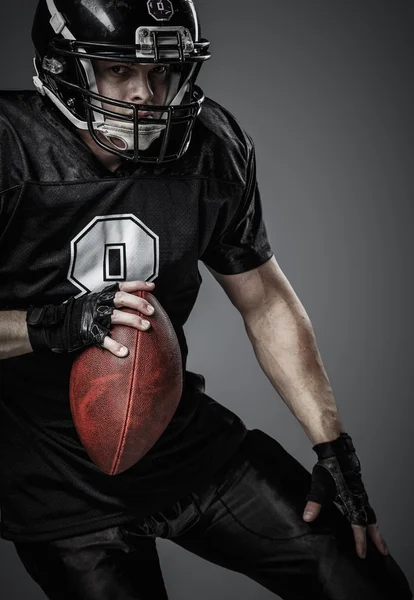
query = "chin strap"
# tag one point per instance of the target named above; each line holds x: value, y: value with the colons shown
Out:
x: 113, y: 130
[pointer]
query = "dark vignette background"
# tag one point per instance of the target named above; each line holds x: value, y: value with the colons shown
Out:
x: 326, y: 90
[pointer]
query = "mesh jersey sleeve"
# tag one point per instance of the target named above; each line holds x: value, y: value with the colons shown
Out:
x: 241, y: 244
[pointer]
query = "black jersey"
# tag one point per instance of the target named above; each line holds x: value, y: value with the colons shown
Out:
x: 69, y: 226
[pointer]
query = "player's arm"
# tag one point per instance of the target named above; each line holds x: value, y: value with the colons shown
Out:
x: 71, y: 325
x: 284, y: 343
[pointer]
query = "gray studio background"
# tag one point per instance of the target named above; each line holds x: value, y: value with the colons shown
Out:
x: 325, y: 89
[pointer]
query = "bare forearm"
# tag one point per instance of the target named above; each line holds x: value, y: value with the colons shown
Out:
x: 14, y: 339
x: 285, y: 346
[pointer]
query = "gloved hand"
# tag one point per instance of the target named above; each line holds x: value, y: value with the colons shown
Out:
x: 76, y: 323
x: 87, y: 320
x: 336, y: 477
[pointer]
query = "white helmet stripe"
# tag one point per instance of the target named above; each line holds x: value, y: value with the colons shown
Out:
x: 59, y: 26
x: 57, y: 21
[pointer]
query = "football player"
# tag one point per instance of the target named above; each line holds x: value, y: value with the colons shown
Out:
x: 118, y: 175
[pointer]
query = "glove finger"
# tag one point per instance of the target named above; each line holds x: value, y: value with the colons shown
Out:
x: 107, y: 295
x: 323, y: 489
x: 104, y: 308
x: 98, y: 334
x: 361, y: 515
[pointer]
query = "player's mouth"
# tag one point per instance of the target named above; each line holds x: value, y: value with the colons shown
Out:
x: 142, y: 114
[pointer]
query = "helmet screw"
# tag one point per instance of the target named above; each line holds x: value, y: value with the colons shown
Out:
x: 71, y: 102
x: 145, y: 33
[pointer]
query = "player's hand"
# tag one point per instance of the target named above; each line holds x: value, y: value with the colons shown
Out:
x: 336, y: 477
x: 125, y: 299
x: 87, y: 320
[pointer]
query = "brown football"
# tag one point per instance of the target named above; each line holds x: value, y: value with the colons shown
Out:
x: 121, y: 406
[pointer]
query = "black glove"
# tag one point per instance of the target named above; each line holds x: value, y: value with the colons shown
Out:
x: 76, y: 323
x: 337, y: 477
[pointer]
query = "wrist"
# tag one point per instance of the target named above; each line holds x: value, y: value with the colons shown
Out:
x: 43, y: 326
x: 342, y: 444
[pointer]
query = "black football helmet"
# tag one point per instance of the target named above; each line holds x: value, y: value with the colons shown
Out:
x: 69, y: 34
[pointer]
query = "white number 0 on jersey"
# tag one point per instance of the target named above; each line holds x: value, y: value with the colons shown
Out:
x: 110, y: 249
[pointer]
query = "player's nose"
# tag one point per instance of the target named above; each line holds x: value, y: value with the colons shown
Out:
x: 140, y: 91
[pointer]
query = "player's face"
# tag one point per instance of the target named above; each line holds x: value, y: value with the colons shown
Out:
x: 132, y: 82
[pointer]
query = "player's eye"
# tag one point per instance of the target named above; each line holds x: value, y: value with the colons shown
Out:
x: 119, y: 70
x: 160, y: 70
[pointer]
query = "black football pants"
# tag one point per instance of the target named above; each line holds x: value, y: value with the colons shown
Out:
x: 248, y: 519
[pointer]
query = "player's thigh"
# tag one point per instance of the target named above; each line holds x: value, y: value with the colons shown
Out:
x: 98, y: 566
x: 254, y: 526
